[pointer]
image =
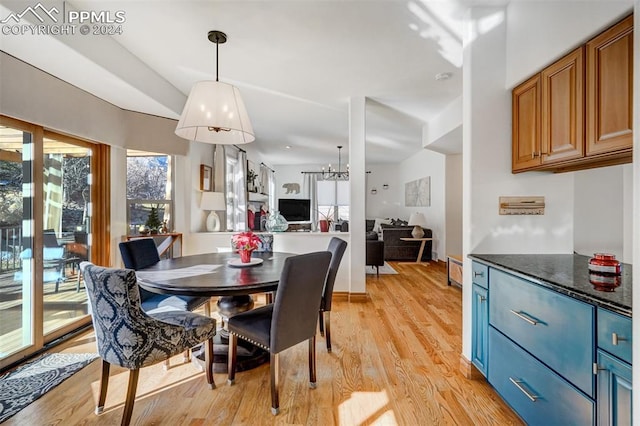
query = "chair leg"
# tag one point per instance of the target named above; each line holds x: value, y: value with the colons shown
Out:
x: 312, y: 362
x: 208, y: 363
x: 377, y: 272
x: 327, y: 326
x: 78, y: 282
x: 231, y: 360
x: 274, y: 368
x: 268, y: 297
x: 321, y: 322
x: 104, y: 384
x: 207, y: 308
x: 131, y: 396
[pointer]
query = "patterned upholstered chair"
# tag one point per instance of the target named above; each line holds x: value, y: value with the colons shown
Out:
x: 290, y: 320
x: 126, y: 336
x: 337, y: 248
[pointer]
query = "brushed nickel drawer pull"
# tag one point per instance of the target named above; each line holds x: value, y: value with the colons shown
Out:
x: 481, y: 298
x: 524, y: 317
x: 615, y: 339
x: 478, y: 274
x: 519, y: 385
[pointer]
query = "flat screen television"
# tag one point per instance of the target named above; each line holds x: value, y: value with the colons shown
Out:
x: 295, y: 209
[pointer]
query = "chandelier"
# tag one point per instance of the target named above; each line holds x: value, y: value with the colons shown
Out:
x: 331, y: 173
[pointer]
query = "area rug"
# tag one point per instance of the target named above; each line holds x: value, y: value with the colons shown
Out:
x: 385, y: 269
x: 29, y: 382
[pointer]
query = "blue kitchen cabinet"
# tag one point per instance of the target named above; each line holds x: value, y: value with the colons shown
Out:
x: 480, y: 341
x: 614, y: 390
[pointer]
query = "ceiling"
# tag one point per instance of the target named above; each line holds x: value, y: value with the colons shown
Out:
x: 296, y: 63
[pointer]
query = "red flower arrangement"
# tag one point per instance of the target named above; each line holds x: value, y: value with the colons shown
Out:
x: 245, y: 243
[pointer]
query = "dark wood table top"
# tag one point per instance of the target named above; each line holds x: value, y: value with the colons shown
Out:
x: 211, y: 275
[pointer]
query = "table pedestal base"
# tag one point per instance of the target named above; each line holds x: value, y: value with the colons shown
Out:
x: 248, y: 355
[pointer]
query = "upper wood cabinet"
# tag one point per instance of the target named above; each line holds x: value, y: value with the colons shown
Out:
x: 577, y: 112
x: 610, y: 89
x: 526, y: 124
x: 563, y: 109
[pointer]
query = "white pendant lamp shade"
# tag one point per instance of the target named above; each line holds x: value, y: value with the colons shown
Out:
x: 215, y: 113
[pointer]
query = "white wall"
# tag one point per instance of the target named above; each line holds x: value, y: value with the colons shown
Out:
x: 453, y: 204
x: 539, y: 32
x: 385, y: 203
x: 600, y: 211
x: 427, y: 163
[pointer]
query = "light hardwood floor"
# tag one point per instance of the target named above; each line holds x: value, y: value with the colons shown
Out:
x: 395, y: 360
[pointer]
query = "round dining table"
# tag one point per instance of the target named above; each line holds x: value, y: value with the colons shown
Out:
x: 224, y: 276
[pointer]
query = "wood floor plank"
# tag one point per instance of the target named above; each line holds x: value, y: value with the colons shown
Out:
x: 395, y: 361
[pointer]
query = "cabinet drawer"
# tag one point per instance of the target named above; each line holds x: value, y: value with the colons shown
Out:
x: 614, y: 334
x: 536, y: 393
x: 480, y: 274
x: 554, y: 328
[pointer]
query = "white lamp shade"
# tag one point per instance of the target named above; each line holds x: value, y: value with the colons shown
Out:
x: 213, y: 201
x: 215, y: 113
x: 417, y: 219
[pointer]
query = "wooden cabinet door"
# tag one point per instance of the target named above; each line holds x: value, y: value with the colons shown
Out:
x: 525, y: 138
x: 563, y: 109
x: 610, y: 90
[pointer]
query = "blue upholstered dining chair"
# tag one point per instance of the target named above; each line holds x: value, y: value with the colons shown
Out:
x: 337, y: 248
x: 291, y: 319
x: 128, y: 337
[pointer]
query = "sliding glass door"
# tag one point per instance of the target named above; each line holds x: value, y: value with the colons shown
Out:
x: 48, y: 196
x: 16, y: 259
x: 66, y: 235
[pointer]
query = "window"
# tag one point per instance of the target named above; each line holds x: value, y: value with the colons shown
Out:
x: 149, y: 191
x: 333, y: 199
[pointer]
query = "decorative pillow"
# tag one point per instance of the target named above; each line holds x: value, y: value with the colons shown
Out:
x: 378, y: 222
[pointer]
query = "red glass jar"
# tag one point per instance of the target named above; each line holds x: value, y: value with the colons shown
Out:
x: 604, y: 264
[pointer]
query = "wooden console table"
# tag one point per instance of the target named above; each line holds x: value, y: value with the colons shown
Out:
x: 167, y: 243
x: 454, y: 269
x: 423, y: 242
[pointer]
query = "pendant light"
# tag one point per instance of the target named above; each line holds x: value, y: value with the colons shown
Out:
x: 214, y: 112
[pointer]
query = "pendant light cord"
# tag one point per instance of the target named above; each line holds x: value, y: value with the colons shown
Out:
x: 217, y: 44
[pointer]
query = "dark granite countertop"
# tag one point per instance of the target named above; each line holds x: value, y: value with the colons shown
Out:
x: 567, y: 274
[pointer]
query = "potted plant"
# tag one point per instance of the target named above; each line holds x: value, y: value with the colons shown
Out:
x: 326, y: 218
x: 245, y: 243
x: 153, y: 222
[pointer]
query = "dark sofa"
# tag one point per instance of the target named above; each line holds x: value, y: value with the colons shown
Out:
x: 396, y: 249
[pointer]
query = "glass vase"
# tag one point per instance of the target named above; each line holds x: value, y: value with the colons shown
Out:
x: 276, y: 222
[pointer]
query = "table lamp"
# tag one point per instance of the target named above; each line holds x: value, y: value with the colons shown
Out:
x: 418, y: 221
x: 213, y: 201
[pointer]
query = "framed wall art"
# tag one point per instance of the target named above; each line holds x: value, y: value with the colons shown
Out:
x: 206, y: 177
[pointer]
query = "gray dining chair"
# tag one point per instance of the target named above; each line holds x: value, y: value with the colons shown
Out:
x: 130, y: 338
x: 291, y: 319
x: 337, y: 248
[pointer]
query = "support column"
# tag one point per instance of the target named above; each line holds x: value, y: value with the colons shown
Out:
x: 357, y: 178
